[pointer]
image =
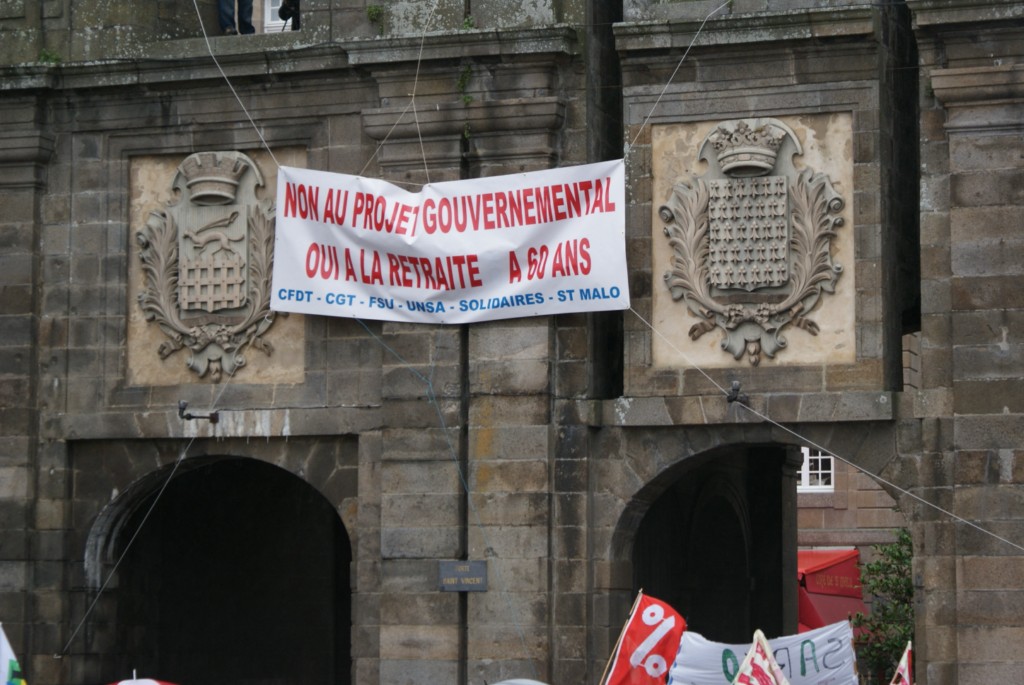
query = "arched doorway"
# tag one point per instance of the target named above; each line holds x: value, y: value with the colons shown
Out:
x: 240, y: 576
x: 719, y: 542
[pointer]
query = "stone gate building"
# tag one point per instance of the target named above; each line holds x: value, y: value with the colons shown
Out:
x: 205, y: 491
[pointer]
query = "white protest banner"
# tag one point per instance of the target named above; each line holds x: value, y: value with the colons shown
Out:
x: 818, y: 657
x: 538, y: 243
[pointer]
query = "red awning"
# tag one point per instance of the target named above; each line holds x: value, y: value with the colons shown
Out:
x: 829, y: 586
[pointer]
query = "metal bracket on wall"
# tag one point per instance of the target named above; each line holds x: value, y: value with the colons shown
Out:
x: 212, y: 417
x: 736, y: 396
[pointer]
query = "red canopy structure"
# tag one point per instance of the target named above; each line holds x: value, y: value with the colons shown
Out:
x: 829, y: 586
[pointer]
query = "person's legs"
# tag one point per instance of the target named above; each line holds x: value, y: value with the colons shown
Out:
x: 226, y: 15
x: 245, y: 17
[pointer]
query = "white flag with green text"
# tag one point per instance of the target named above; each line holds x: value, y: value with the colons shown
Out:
x: 10, y: 671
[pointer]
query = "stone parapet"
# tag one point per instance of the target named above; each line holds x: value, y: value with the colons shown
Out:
x: 717, y: 409
x: 945, y: 14
x: 758, y: 27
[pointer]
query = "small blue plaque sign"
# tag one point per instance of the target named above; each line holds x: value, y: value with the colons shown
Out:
x: 462, y: 576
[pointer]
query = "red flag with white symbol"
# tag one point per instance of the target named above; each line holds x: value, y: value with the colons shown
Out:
x: 647, y: 645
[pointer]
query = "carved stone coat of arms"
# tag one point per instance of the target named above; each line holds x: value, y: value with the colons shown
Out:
x: 207, y: 259
x: 751, y: 239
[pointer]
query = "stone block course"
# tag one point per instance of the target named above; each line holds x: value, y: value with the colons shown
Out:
x: 419, y: 543
x: 494, y: 640
x: 989, y: 540
x: 416, y: 345
x: 976, y: 467
x: 504, y: 410
x: 524, y: 376
x: 988, y: 644
x: 988, y: 672
x: 986, y: 292
x: 975, y: 502
x: 417, y: 381
x: 528, y: 508
x: 509, y: 442
x: 16, y: 361
x: 519, y: 575
x: 570, y: 476
x: 12, y: 576
x: 419, y: 509
x: 421, y: 643
x: 508, y: 476
x: 14, y: 483
x: 999, y: 576
x: 987, y: 327
x: 505, y: 607
x: 984, y: 154
x: 507, y: 340
x: 510, y: 541
x: 570, y: 509
x: 406, y: 608
x: 988, y: 432
x: 988, y: 188
x: 428, y: 444
x: 15, y: 329
x: 419, y: 413
x: 419, y: 477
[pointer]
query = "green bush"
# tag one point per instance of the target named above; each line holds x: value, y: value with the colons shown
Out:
x: 885, y: 631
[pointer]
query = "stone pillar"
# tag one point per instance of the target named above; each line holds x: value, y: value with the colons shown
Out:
x: 971, y: 403
x: 479, y: 492
x: 510, y: 508
x: 421, y: 515
x: 790, y: 469
x: 985, y: 133
x: 31, y: 521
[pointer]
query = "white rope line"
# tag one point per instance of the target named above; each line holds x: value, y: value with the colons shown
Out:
x: 883, y: 481
x: 209, y: 48
x: 686, y: 357
x: 216, y: 400
x: 453, y: 453
x: 700, y: 29
x: 383, y: 140
x: 815, y: 445
x: 410, y: 105
x: 428, y: 382
x: 415, y: 83
x: 431, y: 396
x: 117, y: 564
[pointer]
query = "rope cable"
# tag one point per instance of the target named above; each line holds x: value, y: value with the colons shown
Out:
x: 811, y: 443
x: 428, y: 384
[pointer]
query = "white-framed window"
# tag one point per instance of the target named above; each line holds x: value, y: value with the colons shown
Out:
x: 271, y: 22
x: 817, y: 473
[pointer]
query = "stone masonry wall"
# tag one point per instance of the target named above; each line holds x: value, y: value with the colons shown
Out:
x: 27, y: 522
x: 502, y: 442
x: 972, y: 147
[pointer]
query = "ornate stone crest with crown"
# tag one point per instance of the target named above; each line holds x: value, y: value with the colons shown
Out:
x: 206, y: 259
x: 751, y: 239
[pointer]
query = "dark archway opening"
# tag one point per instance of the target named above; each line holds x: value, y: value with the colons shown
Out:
x: 240, y: 576
x: 719, y: 544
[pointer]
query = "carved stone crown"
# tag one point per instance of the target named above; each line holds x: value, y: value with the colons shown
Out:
x: 747, y: 151
x: 213, y: 177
